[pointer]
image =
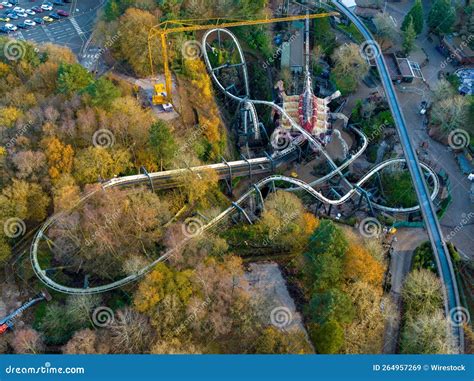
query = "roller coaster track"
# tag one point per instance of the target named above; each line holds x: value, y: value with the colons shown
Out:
x: 238, y: 168
x: 443, y: 260
x: 138, y: 179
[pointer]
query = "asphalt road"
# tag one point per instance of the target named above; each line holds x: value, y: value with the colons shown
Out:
x: 72, y: 31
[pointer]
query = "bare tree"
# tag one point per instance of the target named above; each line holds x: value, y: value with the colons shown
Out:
x: 27, y: 340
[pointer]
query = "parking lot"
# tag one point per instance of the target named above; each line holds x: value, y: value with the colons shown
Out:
x: 72, y: 31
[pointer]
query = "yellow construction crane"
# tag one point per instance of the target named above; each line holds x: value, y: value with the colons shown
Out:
x: 163, y: 91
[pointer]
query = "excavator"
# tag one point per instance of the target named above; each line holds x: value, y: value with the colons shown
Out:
x: 9, y: 321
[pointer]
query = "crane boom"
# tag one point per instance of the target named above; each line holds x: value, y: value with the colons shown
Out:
x: 162, y: 30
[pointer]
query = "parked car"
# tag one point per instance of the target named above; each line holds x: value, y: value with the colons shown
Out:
x: 37, y: 9
x: 48, y: 19
x: 63, y: 13
x: 22, y: 25
x: 3, y: 29
x: 13, y: 16
x: 47, y: 7
x: 5, y: 19
x: 11, y: 27
x: 19, y: 9
x: 30, y: 12
x: 54, y: 16
x: 22, y: 14
x: 38, y: 20
x: 30, y: 22
x: 6, y: 4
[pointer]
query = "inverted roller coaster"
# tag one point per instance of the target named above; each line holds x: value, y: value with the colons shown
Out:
x: 245, y: 167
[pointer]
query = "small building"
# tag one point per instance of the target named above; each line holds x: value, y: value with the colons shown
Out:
x: 400, y: 69
x: 292, y: 51
x: 457, y: 49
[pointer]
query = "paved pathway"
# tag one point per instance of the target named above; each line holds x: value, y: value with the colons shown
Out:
x: 400, y: 262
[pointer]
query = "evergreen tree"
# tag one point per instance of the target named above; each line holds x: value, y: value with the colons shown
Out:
x: 416, y: 16
x: 409, y: 35
x: 441, y: 17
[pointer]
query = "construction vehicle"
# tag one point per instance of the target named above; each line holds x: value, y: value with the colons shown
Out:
x: 162, y: 93
x: 9, y: 321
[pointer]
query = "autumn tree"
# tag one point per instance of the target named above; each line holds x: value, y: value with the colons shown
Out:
x: 386, y: 29
x: 60, y: 157
x: 422, y: 293
x: 94, y: 163
x: 365, y: 333
x: 130, y: 123
x: 9, y: 116
x: 27, y: 340
x: 163, y: 295
x: 285, y: 223
x: 29, y: 165
x: 451, y: 113
x: 82, y: 342
x: 113, y: 227
x: 275, y: 341
x: 360, y: 265
x: 426, y: 334
x: 131, y: 332
x: 174, y: 346
x: 350, y: 67
x: 197, y: 186
x: 28, y: 200
x: 133, y: 30
x: 66, y: 193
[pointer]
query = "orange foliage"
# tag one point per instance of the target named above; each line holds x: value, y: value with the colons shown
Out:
x: 310, y: 223
x: 60, y: 157
x: 360, y: 265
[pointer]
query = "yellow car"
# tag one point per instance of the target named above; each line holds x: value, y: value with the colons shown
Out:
x: 5, y: 19
x: 48, y: 19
